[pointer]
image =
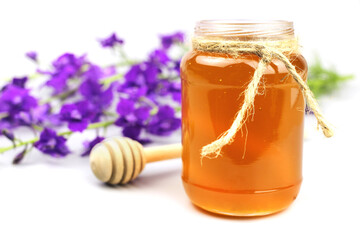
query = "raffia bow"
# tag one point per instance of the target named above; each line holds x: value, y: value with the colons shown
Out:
x: 267, y: 51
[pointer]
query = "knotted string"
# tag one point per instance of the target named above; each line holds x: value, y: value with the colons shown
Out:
x: 267, y: 51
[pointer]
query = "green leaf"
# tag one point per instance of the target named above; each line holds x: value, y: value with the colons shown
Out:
x: 323, y: 81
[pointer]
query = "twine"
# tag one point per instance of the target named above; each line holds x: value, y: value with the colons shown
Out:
x: 267, y: 51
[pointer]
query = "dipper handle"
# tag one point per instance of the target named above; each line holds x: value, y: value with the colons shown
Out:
x: 164, y: 152
x: 119, y: 160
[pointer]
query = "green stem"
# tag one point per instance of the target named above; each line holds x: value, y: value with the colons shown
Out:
x: 30, y: 77
x: 67, y: 133
x: 150, y: 103
x: 2, y: 150
x: 34, y: 75
x: 124, y: 56
x: 162, y: 76
x: 110, y: 114
x: 3, y: 115
x: 107, y: 81
x: 127, y: 63
x: 61, y: 96
x: 100, y: 124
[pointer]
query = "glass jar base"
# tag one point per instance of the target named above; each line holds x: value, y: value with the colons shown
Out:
x: 242, y: 204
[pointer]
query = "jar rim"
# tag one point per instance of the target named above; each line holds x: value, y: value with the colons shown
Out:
x: 245, y: 29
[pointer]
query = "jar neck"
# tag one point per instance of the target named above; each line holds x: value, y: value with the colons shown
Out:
x: 245, y: 30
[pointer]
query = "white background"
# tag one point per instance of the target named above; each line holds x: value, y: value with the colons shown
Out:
x: 60, y: 199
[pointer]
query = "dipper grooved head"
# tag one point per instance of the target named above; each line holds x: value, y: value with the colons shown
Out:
x: 117, y: 160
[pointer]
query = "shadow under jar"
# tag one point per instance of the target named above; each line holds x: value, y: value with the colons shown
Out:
x: 260, y: 172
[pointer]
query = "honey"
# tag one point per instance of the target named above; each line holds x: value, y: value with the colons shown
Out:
x: 261, y: 171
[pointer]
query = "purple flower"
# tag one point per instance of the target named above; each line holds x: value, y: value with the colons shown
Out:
x: 166, y: 87
x: 109, y: 71
x: 58, y: 82
x: 125, y: 106
x: 94, y: 73
x: 32, y: 55
x: 132, y: 119
x: 159, y: 56
x: 8, y: 134
x: 177, y: 67
x: 132, y: 131
x: 88, y: 145
x: 175, y: 91
x: 164, y: 122
x: 42, y: 114
x: 168, y: 40
x: 126, y: 109
x: 142, y: 113
x: 23, y: 119
x: 131, y: 127
x: 5, y: 125
x: 93, y: 92
x: 15, y: 100
x: 19, y: 82
x: 308, y: 110
x: 111, y: 41
x: 163, y: 87
x: 69, y: 63
x: 65, y: 67
x: 140, y: 80
x: 77, y: 115
x: 20, y: 156
x: 52, y: 144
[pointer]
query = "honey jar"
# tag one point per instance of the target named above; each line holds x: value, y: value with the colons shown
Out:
x: 259, y: 171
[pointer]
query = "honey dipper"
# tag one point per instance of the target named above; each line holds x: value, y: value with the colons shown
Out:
x: 119, y: 160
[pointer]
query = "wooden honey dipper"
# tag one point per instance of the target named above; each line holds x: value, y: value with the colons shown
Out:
x: 119, y: 160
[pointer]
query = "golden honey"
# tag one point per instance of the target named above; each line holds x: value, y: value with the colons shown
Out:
x: 261, y: 171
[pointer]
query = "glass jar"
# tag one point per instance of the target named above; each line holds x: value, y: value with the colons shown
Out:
x: 260, y: 172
